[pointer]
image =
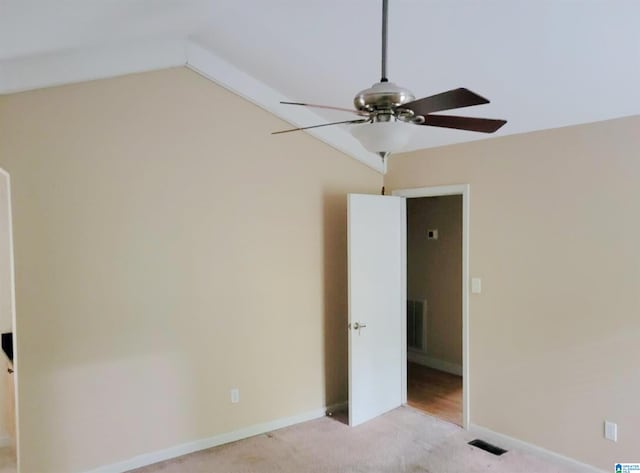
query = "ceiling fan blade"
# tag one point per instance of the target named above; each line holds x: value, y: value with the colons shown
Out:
x: 456, y: 98
x: 363, y: 120
x: 325, y: 107
x: 484, y: 125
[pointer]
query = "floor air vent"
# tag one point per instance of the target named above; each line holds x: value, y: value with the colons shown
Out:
x: 487, y: 447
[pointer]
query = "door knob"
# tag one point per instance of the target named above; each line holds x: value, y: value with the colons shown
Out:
x: 357, y: 326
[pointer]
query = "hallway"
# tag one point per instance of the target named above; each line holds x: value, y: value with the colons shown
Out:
x: 435, y: 392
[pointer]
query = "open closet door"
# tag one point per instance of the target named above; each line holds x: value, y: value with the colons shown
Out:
x: 377, y: 305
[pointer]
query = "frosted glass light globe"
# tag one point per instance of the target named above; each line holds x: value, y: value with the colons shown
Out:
x: 383, y: 137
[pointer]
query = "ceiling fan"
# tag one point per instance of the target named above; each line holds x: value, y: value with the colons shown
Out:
x: 389, y: 112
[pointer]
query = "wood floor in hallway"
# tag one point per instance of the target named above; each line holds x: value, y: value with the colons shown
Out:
x: 435, y: 392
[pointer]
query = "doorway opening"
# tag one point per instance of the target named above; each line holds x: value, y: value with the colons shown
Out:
x: 434, y: 306
x: 437, y: 367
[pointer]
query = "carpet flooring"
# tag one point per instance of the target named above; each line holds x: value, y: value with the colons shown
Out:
x: 402, y: 441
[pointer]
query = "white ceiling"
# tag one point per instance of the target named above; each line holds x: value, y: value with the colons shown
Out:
x: 543, y: 63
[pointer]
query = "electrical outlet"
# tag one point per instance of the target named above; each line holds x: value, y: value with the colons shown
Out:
x: 235, y: 395
x: 611, y: 431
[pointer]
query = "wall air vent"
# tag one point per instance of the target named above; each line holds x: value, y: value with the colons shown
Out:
x: 416, y: 315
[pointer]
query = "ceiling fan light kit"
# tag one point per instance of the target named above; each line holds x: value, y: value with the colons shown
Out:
x: 389, y: 113
x: 383, y: 138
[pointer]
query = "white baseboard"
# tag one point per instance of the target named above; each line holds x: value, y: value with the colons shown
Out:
x: 202, y: 444
x: 257, y: 429
x: 507, y: 442
x: 426, y: 360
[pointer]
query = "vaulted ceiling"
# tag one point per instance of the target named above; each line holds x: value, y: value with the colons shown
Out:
x: 543, y: 63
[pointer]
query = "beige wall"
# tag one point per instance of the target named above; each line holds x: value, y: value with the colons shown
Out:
x: 168, y: 248
x: 434, y: 272
x: 554, y: 237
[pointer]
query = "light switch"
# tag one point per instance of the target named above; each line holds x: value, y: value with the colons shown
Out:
x: 611, y: 431
x: 476, y: 285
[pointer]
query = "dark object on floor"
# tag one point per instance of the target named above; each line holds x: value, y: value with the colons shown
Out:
x: 7, y: 344
x: 487, y: 447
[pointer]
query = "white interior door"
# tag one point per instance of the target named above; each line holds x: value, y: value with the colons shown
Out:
x: 377, y: 305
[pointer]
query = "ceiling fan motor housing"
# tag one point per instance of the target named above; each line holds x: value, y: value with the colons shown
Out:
x: 381, y: 97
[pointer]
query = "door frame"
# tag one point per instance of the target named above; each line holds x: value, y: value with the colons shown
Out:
x: 435, y: 191
x: 12, y: 283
